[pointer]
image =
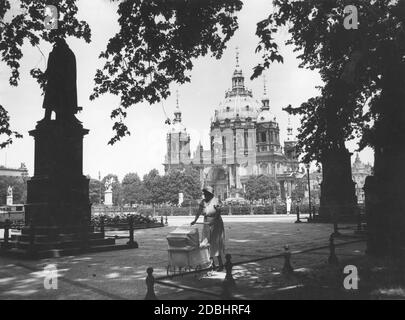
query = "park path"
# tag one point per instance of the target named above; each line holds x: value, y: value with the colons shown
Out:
x: 121, y: 274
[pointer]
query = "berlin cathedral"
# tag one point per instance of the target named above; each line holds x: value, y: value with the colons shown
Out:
x: 245, y: 141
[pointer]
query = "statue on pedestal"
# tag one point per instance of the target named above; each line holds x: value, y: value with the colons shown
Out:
x: 108, y: 199
x: 57, y: 194
x: 58, y: 209
x: 9, y: 196
x: 288, y: 204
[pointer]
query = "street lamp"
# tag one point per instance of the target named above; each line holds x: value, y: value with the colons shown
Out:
x: 309, y: 194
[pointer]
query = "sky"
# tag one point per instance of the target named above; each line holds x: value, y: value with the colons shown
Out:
x: 145, y: 148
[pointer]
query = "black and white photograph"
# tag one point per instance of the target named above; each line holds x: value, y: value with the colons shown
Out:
x: 202, y: 154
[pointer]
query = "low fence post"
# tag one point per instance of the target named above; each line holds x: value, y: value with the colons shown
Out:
x: 150, y: 285
x: 229, y: 281
x: 287, y: 268
x: 298, y: 215
x: 102, y: 226
x: 32, y: 249
x: 332, y: 256
x: 131, y: 243
x: 228, y: 268
x: 7, y: 225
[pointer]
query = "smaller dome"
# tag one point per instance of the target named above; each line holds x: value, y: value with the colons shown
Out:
x: 177, y: 127
x: 266, y: 116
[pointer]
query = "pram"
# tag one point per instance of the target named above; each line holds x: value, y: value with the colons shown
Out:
x: 185, y: 251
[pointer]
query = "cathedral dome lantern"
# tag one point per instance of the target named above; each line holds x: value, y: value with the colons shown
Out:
x: 238, y: 80
x: 177, y: 125
x: 265, y: 115
x: 265, y: 99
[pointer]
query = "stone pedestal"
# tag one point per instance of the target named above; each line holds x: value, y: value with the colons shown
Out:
x: 58, y: 193
x: 338, y: 197
x: 108, y: 198
x: 58, y: 210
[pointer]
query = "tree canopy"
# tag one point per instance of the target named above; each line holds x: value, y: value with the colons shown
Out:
x: 25, y: 24
x: 154, y: 47
x: 351, y: 63
x: 133, y: 190
x: 261, y: 187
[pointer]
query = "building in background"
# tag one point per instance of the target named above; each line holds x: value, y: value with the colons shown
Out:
x: 360, y: 171
x: 14, y: 172
x: 244, y: 141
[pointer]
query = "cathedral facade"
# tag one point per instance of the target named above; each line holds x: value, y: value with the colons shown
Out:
x: 244, y: 141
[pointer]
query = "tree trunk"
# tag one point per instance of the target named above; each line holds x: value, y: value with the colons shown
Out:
x: 338, y: 195
x: 385, y: 190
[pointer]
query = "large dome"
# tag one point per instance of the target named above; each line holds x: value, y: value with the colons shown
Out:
x: 237, y: 106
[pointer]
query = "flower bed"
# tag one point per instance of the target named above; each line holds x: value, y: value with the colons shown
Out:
x: 122, y: 219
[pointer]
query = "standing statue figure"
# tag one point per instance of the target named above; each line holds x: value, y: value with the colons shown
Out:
x: 10, y: 191
x: 9, y: 199
x: 108, y: 184
x: 288, y: 204
x: 60, y: 88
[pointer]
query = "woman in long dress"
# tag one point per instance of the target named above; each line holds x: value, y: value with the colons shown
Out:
x: 213, y: 229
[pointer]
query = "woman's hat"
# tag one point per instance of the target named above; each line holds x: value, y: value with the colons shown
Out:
x: 208, y: 189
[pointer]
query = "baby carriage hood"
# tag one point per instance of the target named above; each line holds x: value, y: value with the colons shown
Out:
x: 183, y: 237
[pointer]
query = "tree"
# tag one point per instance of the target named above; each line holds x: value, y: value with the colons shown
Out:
x: 166, y: 189
x: 298, y: 192
x: 261, y: 187
x: 133, y: 190
x: 95, y: 187
x: 186, y: 181
x: 357, y: 65
x: 329, y: 120
x: 151, y: 182
x: 190, y: 184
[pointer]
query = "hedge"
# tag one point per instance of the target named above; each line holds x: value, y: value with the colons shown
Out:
x: 191, y: 211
